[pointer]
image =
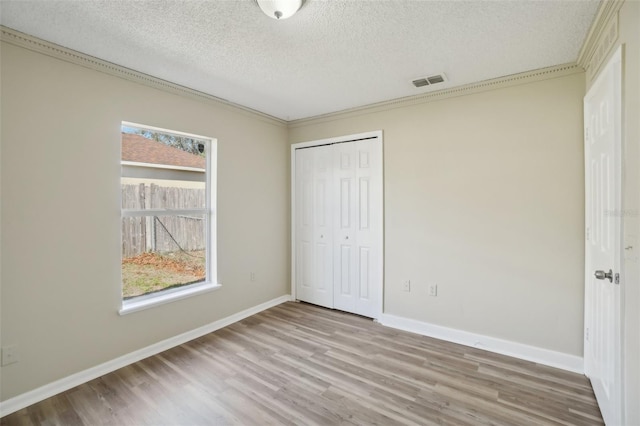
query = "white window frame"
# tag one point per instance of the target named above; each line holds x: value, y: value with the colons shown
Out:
x: 210, y: 283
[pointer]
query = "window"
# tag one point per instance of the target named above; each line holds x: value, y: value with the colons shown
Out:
x: 168, y: 221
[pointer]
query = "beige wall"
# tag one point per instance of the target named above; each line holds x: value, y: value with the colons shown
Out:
x: 629, y: 37
x: 484, y: 197
x: 60, y: 176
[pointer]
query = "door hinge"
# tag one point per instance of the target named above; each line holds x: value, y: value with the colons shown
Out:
x: 616, y: 278
x: 588, y: 233
x: 586, y: 334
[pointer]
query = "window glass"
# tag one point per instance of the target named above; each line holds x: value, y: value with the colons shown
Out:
x: 166, y: 211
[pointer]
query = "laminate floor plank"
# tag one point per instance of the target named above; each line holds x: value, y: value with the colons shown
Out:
x: 300, y: 364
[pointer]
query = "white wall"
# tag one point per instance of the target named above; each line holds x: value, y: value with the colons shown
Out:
x: 60, y: 217
x: 484, y: 197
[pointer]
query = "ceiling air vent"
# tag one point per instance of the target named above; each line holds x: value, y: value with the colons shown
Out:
x: 420, y: 82
x: 428, y: 81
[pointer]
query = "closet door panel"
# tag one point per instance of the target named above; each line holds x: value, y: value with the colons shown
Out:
x: 314, y: 240
x: 304, y: 225
x: 323, y: 207
x: 345, y: 264
x: 368, y: 229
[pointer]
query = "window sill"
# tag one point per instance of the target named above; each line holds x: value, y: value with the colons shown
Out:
x: 139, y: 304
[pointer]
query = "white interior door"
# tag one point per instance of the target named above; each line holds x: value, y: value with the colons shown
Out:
x: 314, y: 231
x: 338, y: 225
x: 602, y: 345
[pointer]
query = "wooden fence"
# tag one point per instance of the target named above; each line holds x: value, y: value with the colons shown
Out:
x: 142, y: 234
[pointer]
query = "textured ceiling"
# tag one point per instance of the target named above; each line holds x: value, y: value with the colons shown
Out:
x: 332, y: 55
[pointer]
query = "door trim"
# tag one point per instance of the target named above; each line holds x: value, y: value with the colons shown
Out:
x: 377, y: 134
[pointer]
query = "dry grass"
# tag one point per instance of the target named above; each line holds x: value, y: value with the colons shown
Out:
x: 151, y: 272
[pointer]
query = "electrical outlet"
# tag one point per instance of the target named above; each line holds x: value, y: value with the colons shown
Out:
x: 433, y: 290
x: 9, y: 355
x: 407, y: 286
x: 252, y: 276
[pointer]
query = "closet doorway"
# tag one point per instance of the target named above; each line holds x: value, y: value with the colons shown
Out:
x: 337, y: 223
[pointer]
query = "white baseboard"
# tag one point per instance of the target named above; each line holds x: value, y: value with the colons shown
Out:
x: 492, y: 344
x: 28, y: 398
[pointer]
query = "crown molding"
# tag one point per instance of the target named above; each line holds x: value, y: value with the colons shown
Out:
x: 53, y: 50
x: 468, y: 89
x: 601, y: 36
x: 35, y: 44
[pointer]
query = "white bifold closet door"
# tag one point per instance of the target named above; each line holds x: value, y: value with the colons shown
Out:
x: 338, y: 210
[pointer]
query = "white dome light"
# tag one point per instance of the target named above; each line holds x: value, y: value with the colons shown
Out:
x: 279, y: 9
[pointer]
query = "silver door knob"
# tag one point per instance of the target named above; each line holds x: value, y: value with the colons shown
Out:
x: 601, y: 275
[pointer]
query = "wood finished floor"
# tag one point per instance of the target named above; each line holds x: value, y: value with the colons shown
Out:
x: 301, y: 364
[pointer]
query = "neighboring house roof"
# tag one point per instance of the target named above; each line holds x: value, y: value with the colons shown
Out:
x: 136, y: 148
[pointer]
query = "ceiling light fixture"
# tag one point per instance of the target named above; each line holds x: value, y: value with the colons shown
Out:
x: 279, y: 9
